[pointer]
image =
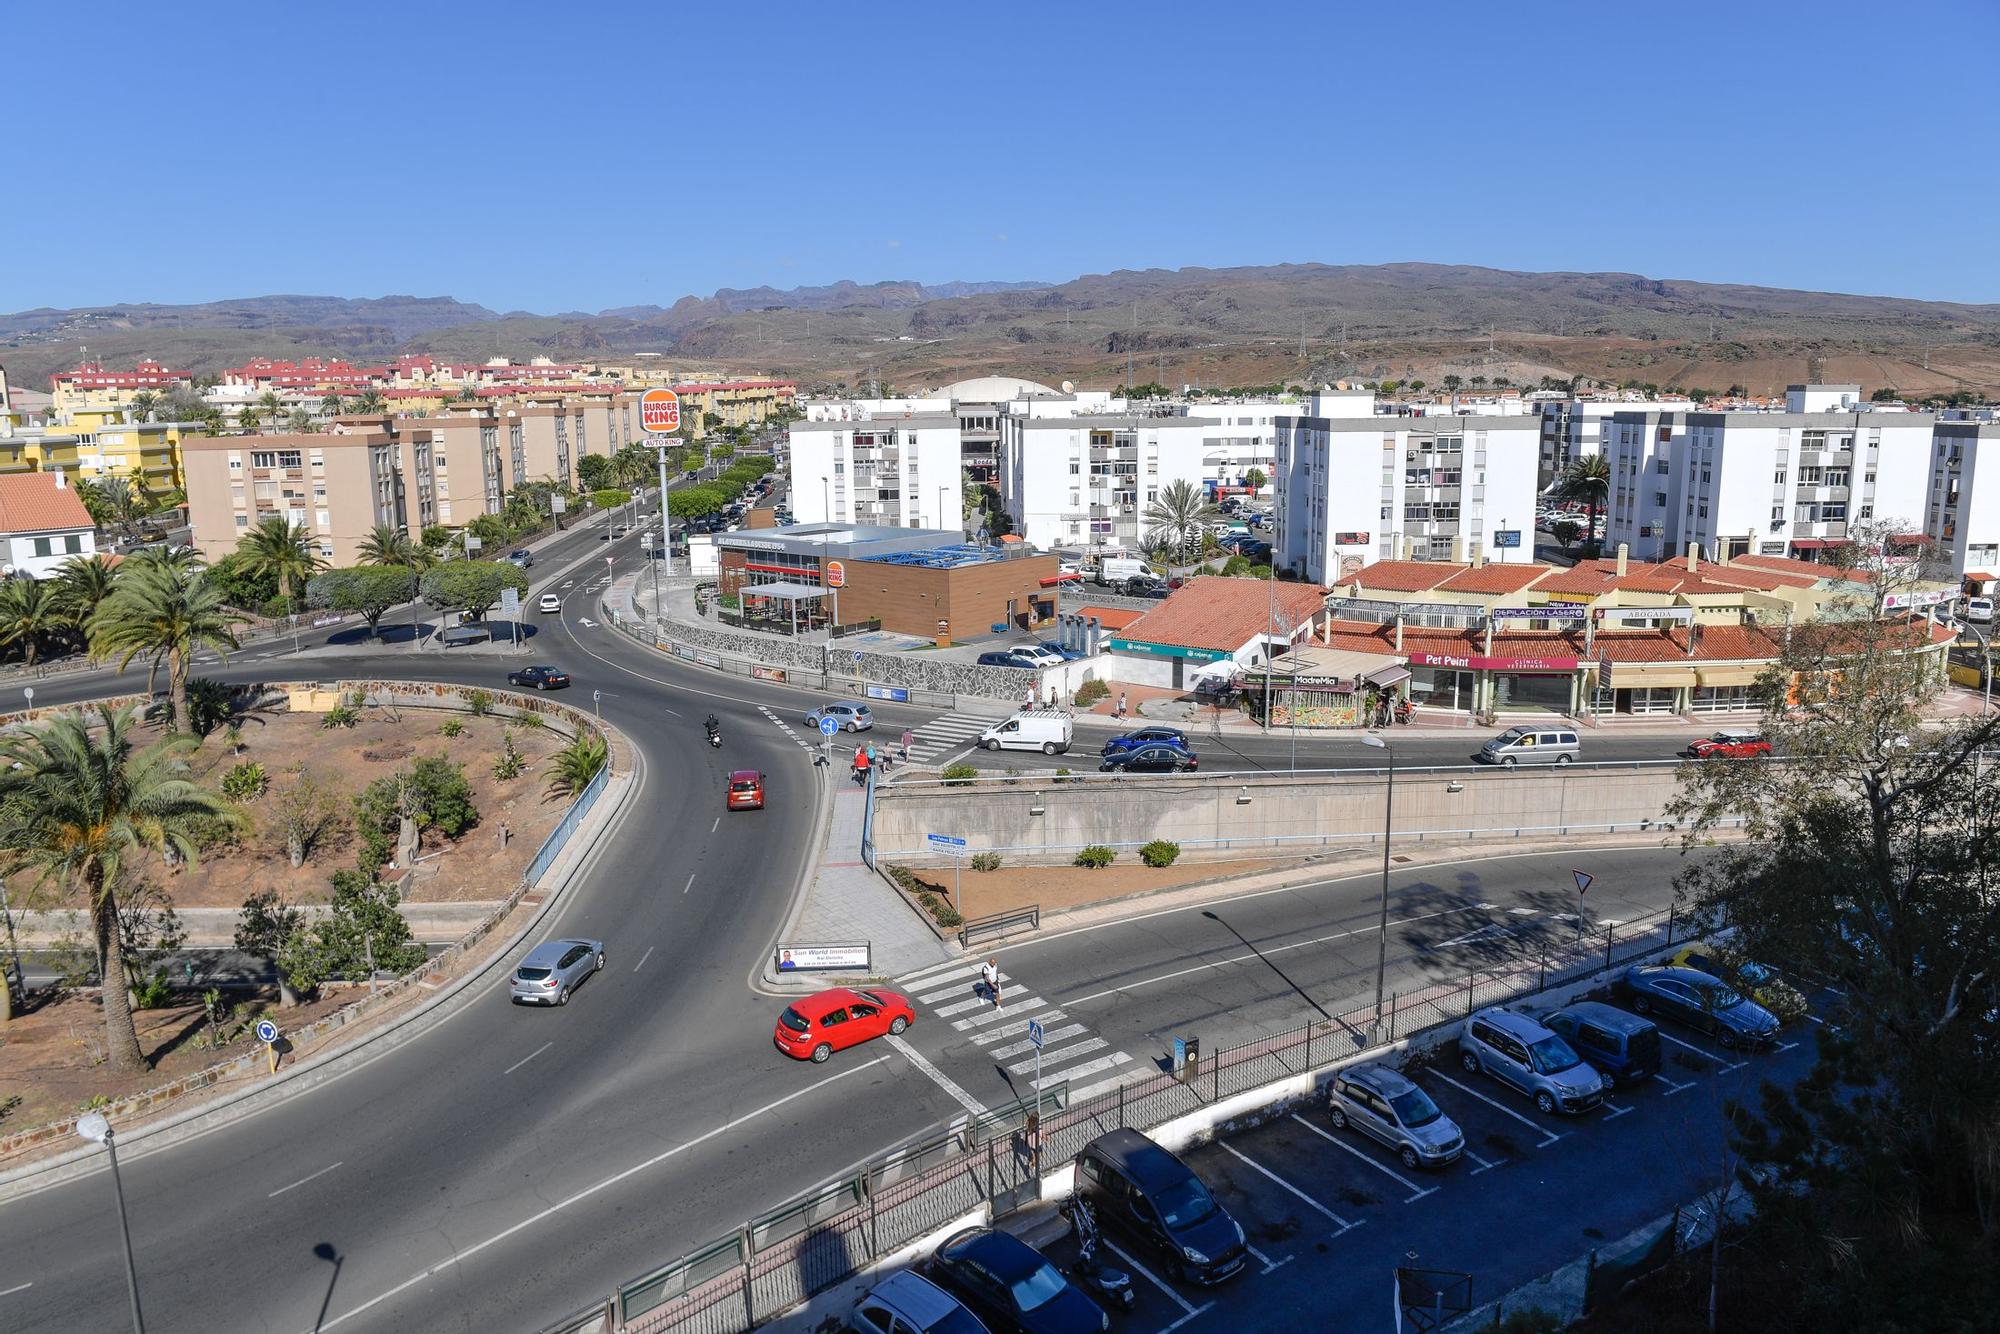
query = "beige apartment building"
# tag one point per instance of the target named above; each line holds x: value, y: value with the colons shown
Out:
x: 338, y: 486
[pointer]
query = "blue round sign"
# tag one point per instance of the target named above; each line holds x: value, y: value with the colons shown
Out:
x: 267, y: 1032
x: 827, y: 727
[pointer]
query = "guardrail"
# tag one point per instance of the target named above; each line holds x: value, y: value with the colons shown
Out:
x: 1049, y: 777
x: 552, y: 846
x: 1000, y: 923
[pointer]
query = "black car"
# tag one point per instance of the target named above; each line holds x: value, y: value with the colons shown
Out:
x: 1156, y: 757
x: 1012, y: 1287
x: 1706, y: 1004
x: 1139, y: 1188
x: 1140, y: 736
x: 539, y: 678
x: 1143, y: 586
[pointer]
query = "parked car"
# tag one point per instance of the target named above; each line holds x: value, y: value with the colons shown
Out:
x: 1139, y: 1188
x: 539, y: 678
x: 1526, y: 1055
x: 1697, y: 999
x: 1623, y: 1048
x: 1047, y: 730
x: 1018, y: 656
x: 1385, y: 1106
x: 1011, y: 1286
x: 847, y: 717
x: 746, y: 790
x: 814, y: 1027
x: 1155, y: 757
x: 554, y: 969
x: 1979, y: 610
x: 1144, y: 586
x: 908, y: 1303
x: 550, y: 602
x: 1542, y: 743
x: 1733, y: 743
x: 1140, y: 736
x: 1760, y: 982
x: 523, y: 558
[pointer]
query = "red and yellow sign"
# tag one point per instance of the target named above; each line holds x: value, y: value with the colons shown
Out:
x: 836, y: 574
x: 660, y: 411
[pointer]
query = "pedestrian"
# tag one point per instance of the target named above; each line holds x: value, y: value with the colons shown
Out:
x: 1052, y: 697
x: 860, y: 765
x: 989, y: 973
x: 908, y: 737
x: 1121, y: 705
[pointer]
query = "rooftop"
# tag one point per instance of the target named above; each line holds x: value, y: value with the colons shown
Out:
x: 40, y: 502
x: 937, y: 548
x: 1213, y: 612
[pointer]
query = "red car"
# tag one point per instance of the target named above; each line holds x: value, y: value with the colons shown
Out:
x: 1729, y: 745
x: 746, y: 790
x: 814, y: 1027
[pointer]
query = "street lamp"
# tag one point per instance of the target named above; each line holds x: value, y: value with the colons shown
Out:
x: 1382, y: 932
x: 93, y: 1127
x: 825, y: 578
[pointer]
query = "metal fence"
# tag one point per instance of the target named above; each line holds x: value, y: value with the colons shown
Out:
x: 559, y: 836
x: 809, y: 1244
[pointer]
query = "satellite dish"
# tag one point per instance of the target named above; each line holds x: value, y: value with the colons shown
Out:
x: 1068, y: 388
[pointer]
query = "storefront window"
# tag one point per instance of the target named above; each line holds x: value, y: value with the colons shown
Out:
x: 1519, y: 691
x: 1722, y: 699
x: 1441, y: 688
x: 1649, y: 699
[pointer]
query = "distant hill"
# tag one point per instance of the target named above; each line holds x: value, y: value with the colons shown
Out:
x: 1293, y: 323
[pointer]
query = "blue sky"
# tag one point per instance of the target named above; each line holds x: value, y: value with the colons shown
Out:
x: 583, y: 156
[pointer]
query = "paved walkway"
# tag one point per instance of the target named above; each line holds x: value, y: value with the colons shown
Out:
x: 847, y: 902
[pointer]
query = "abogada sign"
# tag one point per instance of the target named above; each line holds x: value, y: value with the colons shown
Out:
x: 660, y: 411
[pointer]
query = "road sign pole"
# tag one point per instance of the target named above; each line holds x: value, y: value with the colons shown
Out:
x: 957, y: 899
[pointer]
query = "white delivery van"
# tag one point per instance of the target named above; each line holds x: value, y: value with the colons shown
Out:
x: 1046, y: 730
x: 1117, y: 569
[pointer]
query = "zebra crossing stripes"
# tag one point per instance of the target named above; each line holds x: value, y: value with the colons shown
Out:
x: 944, y: 734
x: 1070, y: 1050
x: 786, y: 728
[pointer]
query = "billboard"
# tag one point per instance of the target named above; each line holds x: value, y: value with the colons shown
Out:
x: 660, y: 411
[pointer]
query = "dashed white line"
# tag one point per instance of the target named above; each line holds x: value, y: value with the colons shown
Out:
x: 690, y: 884
x: 642, y: 959
x: 529, y: 1057
x: 272, y: 1196
x: 9, y: 1292
x: 717, y: 825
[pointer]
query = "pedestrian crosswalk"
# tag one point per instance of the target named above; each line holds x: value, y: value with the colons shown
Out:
x: 952, y: 993
x: 944, y: 735
x: 786, y: 728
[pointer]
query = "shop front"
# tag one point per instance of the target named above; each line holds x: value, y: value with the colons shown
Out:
x: 1322, y: 688
x: 1499, y: 684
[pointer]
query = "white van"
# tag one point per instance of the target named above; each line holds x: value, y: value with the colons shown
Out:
x: 1117, y: 569
x: 1046, y: 730
x: 1536, y: 744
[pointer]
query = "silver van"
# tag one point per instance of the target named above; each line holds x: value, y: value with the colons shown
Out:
x: 1384, y: 1105
x: 1521, y: 1052
x: 1536, y: 743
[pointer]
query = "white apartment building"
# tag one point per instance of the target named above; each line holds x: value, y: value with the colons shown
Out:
x: 1964, y: 518
x: 1640, y: 447
x: 1085, y: 481
x: 1353, y: 486
x: 1245, y: 436
x: 890, y: 471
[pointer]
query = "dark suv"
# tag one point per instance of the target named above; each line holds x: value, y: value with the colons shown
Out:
x: 1144, y: 1191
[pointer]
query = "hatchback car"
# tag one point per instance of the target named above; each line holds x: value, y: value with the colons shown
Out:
x: 1760, y: 982
x: 909, y: 1303
x: 1702, y: 1002
x: 550, y: 602
x: 1012, y: 1286
x: 1733, y: 744
x: 846, y: 717
x: 1032, y: 656
x: 539, y: 678
x: 1155, y: 757
x: 1140, y: 736
x: 746, y: 790
x: 1526, y: 1055
x: 522, y: 558
x: 1385, y: 1106
x: 1141, y: 1189
x: 814, y: 1027
x: 554, y: 969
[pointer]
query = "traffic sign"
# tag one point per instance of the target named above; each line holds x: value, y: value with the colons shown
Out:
x: 946, y: 843
x: 510, y: 602
x: 660, y: 411
x: 1583, y: 881
x: 1035, y: 1033
x: 827, y: 727
x: 267, y: 1032
x: 858, y: 655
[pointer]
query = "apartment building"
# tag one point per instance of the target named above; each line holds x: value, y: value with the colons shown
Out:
x: 1086, y: 480
x: 91, y: 386
x: 1450, y: 487
x: 1963, y: 523
x: 898, y: 471
x: 1245, y: 436
x: 1641, y: 447
x: 338, y: 486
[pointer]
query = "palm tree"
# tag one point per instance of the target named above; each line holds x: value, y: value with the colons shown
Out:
x: 1586, y: 480
x: 29, y: 611
x: 282, y: 548
x: 144, y: 404
x: 301, y: 421
x: 1177, y: 518
x: 330, y: 406
x: 76, y: 801
x: 572, y: 767
x: 81, y: 583
x: 248, y: 420
x: 270, y: 403
x: 386, y: 545
x: 369, y: 402
x: 163, y: 609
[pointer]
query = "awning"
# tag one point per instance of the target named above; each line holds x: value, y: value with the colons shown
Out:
x: 1736, y: 674
x: 1386, y: 677
x: 1811, y: 543
x: 783, y: 592
x: 1649, y: 674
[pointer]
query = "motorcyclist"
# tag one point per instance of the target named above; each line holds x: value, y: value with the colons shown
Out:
x: 712, y: 725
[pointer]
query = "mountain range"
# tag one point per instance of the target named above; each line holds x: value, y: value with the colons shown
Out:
x: 1293, y: 323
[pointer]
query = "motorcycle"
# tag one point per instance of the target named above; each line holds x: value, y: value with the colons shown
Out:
x: 715, y: 734
x: 1111, y: 1287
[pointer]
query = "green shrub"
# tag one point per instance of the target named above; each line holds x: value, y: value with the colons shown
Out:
x: 452, y: 727
x: 1095, y: 855
x: 1064, y: 775
x: 245, y: 781
x: 340, y: 715
x: 1160, y: 853
x: 479, y: 703
x: 958, y: 775
x: 940, y: 909
x: 985, y: 861
x: 151, y: 991
x: 1090, y: 692
x: 508, y: 764
x: 531, y: 721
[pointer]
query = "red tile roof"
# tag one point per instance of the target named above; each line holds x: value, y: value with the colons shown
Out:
x: 1213, y: 612
x: 32, y: 503
x: 1404, y: 576
x: 1111, y: 618
x: 1495, y: 578
x: 1713, y: 643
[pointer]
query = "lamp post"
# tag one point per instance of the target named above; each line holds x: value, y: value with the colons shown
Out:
x: 1382, y: 931
x: 93, y: 1127
x: 826, y: 505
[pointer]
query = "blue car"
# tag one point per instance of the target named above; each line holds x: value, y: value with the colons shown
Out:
x: 1134, y: 739
x: 1068, y: 654
x: 1011, y: 1286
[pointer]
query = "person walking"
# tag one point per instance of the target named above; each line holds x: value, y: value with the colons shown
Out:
x: 908, y: 738
x: 989, y: 973
x: 1121, y: 706
x: 860, y: 765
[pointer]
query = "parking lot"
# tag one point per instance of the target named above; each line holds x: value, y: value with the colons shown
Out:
x: 1329, y: 1215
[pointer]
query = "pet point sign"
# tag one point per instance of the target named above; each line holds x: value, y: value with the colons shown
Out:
x: 660, y: 411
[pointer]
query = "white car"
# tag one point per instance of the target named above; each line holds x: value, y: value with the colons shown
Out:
x: 550, y: 602
x: 1979, y: 610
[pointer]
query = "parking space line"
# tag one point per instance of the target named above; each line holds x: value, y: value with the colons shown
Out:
x: 1816, y: 1019
x: 1672, y: 1087
x: 1552, y: 1136
x: 1265, y: 1260
x: 1395, y: 1176
x: 1723, y: 1066
x: 1153, y: 1278
x: 1230, y: 1149
x: 1484, y: 1166
x: 1617, y: 1111
x: 1785, y: 1046
x: 1203, y: 1309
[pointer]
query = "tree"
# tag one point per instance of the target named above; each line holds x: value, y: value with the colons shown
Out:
x: 1587, y: 481
x: 1566, y: 531
x: 112, y: 500
x: 248, y: 420
x: 369, y: 403
x: 1452, y: 383
x: 144, y: 404
x: 81, y: 583
x: 332, y: 404
x: 368, y: 589
x: 431, y: 794
x: 361, y: 933
x: 1416, y: 386
x: 1869, y: 865
x: 1477, y: 381
x: 1886, y: 394
x: 30, y: 611
x: 692, y: 502
x: 572, y: 767
x: 1255, y: 479
x: 266, y: 923
x: 1177, y: 517
x: 595, y: 472
x: 278, y: 546
x: 78, y: 800
x: 240, y: 585
x: 301, y: 421
x: 1738, y: 391
x: 386, y: 544
x: 270, y: 403
x: 164, y: 610
x: 470, y: 586
x: 305, y: 816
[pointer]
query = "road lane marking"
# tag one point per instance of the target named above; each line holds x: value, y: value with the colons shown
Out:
x: 690, y: 884
x: 937, y: 1076
x: 642, y: 959
x: 1251, y: 1163
x: 1049, y: 1035
x: 1020, y: 1007
x: 937, y: 975
x: 1088, y: 1068
x: 274, y: 1194
x: 1049, y: 1059
x: 1398, y: 1177
x: 1046, y: 1017
x: 1552, y: 1136
x: 717, y: 825
x: 1153, y: 1278
x: 9, y: 1292
x: 536, y: 1219
x: 529, y: 1057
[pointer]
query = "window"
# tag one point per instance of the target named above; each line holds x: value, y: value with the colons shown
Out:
x: 73, y: 545
x: 1660, y: 467
x: 44, y: 546
x: 1777, y: 514
x: 1810, y: 475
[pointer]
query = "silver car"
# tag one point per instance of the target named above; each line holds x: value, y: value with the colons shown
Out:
x: 847, y: 717
x: 555, y: 968
x: 1384, y: 1105
x: 1534, y: 1059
